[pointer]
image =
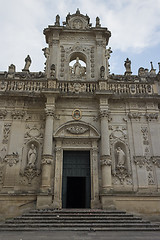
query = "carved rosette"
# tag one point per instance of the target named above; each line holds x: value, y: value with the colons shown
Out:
x: 106, y: 160
x: 156, y: 161
x: 151, y: 116
x: 30, y: 173
x: 11, y: 159
x: 3, y: 114
x: 47, y: 159
x: 77, y: 129
x: 17, y: 114
x: 139, y: 160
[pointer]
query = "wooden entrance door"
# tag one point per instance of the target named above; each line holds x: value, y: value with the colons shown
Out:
x: 76, y: 186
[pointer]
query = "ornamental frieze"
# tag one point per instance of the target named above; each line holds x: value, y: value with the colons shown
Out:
x: 77, y: 129
x: 151, y: 116
x: 139, y: 160
x: 156, y: 161
x: 17, y: 114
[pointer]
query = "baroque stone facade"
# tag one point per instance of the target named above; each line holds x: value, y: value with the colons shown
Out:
x: 76, y: 105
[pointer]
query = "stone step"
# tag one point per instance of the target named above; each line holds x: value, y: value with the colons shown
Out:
x: 113, y: 225
x: 78, y: 214
x: 73, y: 221
x: 82, y: 229
x: 76, y: 218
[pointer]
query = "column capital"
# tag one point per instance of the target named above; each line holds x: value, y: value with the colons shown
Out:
x: 49, y: 112
x: 47, y: 159
x: 104, y: 113
x: 105, y: 160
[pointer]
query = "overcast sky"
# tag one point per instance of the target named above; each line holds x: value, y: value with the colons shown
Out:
x: 134, y: 24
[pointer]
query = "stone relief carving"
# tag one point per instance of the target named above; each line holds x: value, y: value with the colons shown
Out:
x: 139, y: 160
x: 31, y: 170
x: 106, y: 160
x: 6, y: 131
x: 150, y: 179
x: 151, y: 116
x: 134, y: 115
x: 11, y: 159
x: 156, y: 161
x: 144, y: 131
x: 3, y: 114
x: 34, y: 131
x: 17, y: 114
x: 77, y: 129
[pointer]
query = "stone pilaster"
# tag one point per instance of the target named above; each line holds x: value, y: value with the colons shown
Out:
x: 47, y: 157
x: 105, y: 146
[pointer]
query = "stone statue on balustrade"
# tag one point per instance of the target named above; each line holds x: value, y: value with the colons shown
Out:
x: 11, y: 71
x: 28, y: 62
x: 127, y: 65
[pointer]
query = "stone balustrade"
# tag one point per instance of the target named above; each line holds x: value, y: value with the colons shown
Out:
x: 38, y: 86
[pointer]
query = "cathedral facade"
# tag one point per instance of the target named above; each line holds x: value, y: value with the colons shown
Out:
x: 76, y: 136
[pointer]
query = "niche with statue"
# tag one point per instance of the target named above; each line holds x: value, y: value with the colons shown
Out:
x: 31, y: 160
x: 120, y: 164
x: 77, y: 67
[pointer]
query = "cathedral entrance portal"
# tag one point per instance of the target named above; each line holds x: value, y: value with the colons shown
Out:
x: 76, y: 183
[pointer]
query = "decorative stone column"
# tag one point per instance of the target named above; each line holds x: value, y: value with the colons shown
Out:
x: 105, y: 147
x: 45, y: 198
x: 57, y: 202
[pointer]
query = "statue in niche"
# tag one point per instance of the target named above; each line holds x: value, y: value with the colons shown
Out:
x: 27, y: 63
x: 121, y: 157
x: 77, y: 67
x: 53, y: 71
x: 32, y: 156
x: 102, y: 72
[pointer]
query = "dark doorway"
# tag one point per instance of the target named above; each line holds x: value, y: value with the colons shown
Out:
x: 76, y: 189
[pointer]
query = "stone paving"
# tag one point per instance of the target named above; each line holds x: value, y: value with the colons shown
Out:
x: 61, y: 235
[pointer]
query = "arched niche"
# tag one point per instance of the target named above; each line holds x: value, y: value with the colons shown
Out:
x: 26, y: 148
x: 120, y: 156
x: 77, y: 66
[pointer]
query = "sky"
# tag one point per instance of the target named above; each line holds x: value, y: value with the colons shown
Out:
x: 134, y: 25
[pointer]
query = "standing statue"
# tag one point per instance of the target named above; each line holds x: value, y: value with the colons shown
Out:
x: 98, y: 22
x: 57, y: 22
x: 121, y: 157
x: 53, y: 71
x: 27, y: 63
x: 77, y: 67
x: 32, y: 156
x: 127, y: 65
x: 102, y: 71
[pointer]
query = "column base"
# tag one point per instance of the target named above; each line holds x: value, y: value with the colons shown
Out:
x: 95, y: 204
x: 44, y: 201
x: 107, y: 203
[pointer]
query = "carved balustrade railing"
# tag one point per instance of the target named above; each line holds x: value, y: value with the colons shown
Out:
x: 38, y: 86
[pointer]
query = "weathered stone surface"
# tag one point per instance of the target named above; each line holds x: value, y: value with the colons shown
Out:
x: 77, y: 105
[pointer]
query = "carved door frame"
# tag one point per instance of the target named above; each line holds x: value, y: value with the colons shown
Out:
x: 84, y: 139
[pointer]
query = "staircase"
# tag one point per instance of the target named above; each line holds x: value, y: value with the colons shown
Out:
x: 78, y: 220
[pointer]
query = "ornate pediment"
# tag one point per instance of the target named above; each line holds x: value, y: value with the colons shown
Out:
x: 77, y: 21
x: 76, y: 129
